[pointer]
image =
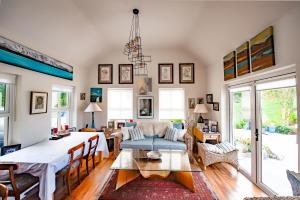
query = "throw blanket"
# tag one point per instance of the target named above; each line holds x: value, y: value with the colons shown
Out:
x: 221, y: 148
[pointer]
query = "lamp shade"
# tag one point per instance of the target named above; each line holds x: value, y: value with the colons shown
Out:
x: 93, y: 107
x: 200, y: 108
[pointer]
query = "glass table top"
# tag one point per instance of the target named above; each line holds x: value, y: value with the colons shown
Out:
x: 171, y: 160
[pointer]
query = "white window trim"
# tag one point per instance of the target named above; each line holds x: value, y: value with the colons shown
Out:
x: 71, y: 103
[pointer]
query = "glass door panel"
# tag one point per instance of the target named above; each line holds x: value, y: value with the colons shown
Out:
x: 241, y: 125
x: 278, y: 146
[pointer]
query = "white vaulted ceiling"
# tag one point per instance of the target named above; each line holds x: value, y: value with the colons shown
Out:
x: 76, y: 31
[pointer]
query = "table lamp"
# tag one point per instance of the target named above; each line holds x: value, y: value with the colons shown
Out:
x: 93, y: 107
x: 200, y: 108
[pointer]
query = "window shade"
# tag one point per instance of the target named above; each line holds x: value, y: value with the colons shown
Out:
x: 171, y: 103
x: 119, y: 103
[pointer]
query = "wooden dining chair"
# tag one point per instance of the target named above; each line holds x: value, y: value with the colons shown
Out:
x: 18, y: 183
x: 3, y: 192
x: 76, y: 156
x: 93, y: 143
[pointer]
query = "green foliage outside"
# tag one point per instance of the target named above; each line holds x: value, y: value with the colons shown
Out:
x: 63, y: 99
x: 2, y: 96
x: 279, y: 110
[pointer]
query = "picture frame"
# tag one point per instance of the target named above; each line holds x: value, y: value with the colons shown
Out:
x: 215, y: 106
x: 105, y: 74
x: 243, y: 59
x: 144, y: 85
x: 126, y: 74
x: 111, y: 124
x: 96, y: 94
x: 209, y: 98
x: 82, y: 96
x: 38, y: 102
x: 165, y: 73
x: 120, y: 125
x: 200, y: 100
x: 205, y: 129
x: 192, y: 103
x: 214, y: 128
x: 145, y: 107
x: 186, y: 73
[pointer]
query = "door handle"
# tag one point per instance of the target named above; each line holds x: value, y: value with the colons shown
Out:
x: 256, y: 134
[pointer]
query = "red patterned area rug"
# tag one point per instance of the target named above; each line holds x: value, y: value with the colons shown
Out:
x: 156, y: 189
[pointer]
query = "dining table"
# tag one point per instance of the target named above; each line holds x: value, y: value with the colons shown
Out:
x: 46, y: 158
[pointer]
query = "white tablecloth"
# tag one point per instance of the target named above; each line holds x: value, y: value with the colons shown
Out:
x: 46, y: 158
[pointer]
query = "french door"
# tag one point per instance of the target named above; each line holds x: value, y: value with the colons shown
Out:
x: 263, y: 124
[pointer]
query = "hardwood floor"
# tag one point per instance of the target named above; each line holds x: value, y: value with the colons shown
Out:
x: 226, y: 181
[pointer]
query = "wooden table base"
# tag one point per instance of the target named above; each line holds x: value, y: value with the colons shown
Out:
x: 126, y: 176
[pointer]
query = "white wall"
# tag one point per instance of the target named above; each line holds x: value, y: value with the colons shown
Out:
x: 29, y: 129
x: 174, y: 56
x: 287, y: 48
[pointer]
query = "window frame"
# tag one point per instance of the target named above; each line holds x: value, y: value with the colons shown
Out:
x: 108, y: 102
x: 69, y: 108
x: 170, y: 110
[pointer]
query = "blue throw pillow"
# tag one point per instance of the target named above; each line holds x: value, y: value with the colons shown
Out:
x: 129, y: 124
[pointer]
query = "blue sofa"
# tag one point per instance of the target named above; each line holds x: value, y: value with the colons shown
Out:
x: 154, y: 139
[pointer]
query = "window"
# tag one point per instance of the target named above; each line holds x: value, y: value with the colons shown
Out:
x: 7, y: 84
x: 119, y: 103
x: 61, y: 106
x: 171, y: 103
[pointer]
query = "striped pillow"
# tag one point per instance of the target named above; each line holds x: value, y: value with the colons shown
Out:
x: 136, y: 134
x: 171, y: 134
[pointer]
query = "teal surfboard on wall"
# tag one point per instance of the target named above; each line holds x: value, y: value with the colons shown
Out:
x: 21, y: 56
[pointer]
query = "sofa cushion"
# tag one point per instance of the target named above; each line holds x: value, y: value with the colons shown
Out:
x: 136, y: 134
x: 181, y: 133
x: 146, y: 144
x: 125, y: 132
x: 171, y: 134
x: 160, y: 143
x: 147, y: 128
x: 161, y: 127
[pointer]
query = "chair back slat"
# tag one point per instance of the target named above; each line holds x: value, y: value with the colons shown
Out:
x: 73, y: 150
x: 3, y: 192
x: 93, y: 147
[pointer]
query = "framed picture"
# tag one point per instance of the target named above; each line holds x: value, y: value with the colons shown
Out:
x: 111, y: 124
x: 205, y: 129
x: 96, y: 95
x: 120, y: 125
x: 165, y: 73
x: 186, y: 73
x: 262, y: 50
x: 125, y: 73
x: 82, y: 96
x: 38, y: 102
x: 209, y: 98
x: 105, y: 73
x: 192, y: 103
x: 18, y: 55
x: 229, y: 66
x: 216, y: 106
x: 214, y: 128
x: 243, y: 59
x: 144, y: 86
x: 200, y: 100
x: 145, y: 107
x: 206, y: 122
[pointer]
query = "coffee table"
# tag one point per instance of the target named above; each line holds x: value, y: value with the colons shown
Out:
x: 132, y: 163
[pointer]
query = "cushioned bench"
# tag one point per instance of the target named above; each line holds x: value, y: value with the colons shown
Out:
x: 223, y: 152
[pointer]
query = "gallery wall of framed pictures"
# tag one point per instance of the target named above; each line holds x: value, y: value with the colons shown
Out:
x: 165, y: 73
x: 251, y: 56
